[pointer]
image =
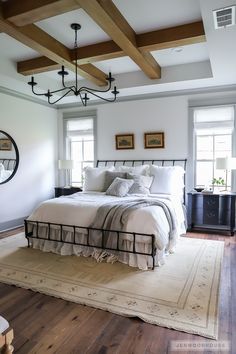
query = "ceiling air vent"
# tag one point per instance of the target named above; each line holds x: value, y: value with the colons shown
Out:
x: 224, y: 17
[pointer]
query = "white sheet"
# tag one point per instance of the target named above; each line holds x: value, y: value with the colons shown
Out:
x: 80, y: 209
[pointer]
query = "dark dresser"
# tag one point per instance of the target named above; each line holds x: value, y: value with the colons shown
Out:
x: 59, y: 191
x: 211, y: 212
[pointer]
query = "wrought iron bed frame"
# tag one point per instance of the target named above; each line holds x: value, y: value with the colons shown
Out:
x: 8, y: 163
x: 73, y: 228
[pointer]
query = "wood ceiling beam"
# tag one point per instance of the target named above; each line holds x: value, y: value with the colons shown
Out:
x: 161, y: 39
x: 187, y: 34
x: 36, y: 66
x: 100, y: 51
x: 108, y: 17
x: 26, y: 12
x: 87, y: 55
x: 43, y: 43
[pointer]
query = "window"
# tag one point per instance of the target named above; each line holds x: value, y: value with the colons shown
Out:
x: 79, y: 146
x: 213, y: 128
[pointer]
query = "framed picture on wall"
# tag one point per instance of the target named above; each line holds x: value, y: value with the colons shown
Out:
x: 154, y: 140
x: 5, y: 144
x: 124, y: 141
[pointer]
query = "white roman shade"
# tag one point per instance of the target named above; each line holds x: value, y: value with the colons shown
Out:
x: 214, y: 120
x: 79, y: 127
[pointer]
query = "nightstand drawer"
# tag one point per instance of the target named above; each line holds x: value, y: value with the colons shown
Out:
x: 210, y: 202
x: 211, y: 217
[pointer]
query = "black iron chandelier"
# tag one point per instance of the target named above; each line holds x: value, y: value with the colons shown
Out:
x: 83, y: 91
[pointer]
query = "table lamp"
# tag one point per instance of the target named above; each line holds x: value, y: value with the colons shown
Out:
x: 66, y: 165
x: 227, y: 164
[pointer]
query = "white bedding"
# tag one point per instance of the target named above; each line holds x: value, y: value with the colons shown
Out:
x: 80, y: 209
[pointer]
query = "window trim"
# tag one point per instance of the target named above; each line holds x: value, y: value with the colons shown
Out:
x: 190, y: 180
x: 207, y: 160
x: 77, y: 116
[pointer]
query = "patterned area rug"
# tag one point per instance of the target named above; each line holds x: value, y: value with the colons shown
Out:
x: 183, y: 294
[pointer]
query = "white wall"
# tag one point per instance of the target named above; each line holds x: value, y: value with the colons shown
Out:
x: 168, y: 115
x: 34, y: 129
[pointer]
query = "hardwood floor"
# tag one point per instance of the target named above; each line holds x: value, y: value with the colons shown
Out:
x: 43, y: 324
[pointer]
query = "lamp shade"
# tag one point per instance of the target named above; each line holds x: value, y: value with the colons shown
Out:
x: 65, y: 164
x: 222, y: 163
x: 233, y: 163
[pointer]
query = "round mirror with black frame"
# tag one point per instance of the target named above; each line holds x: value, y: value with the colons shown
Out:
x: 9, y: 157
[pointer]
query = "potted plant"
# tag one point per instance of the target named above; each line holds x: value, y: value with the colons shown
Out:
x: 218, y: 182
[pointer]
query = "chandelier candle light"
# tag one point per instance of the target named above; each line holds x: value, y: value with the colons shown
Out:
x: 77, y: 91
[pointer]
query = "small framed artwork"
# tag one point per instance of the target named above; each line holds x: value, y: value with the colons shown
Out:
x: 124, y: 141
x: 154, y: 140
x: 5, y: 144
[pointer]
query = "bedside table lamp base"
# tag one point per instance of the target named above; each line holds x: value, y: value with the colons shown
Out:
x: 227, y: 164
x: 66, y: 165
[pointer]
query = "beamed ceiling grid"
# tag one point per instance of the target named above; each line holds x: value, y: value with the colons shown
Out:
x: 17, y: 20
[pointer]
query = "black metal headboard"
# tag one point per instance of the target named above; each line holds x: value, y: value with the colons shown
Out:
x: 162, y: 162
x: 132, y: 163
x: 9, y: 164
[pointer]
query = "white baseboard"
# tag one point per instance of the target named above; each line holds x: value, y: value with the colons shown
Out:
x: 12, y: 224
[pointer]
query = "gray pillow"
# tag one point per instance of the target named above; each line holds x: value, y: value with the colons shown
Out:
x: 110, y: 176
x: 141, y: 184
x: 119, y: 187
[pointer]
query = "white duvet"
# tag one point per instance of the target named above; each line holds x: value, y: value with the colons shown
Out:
x: 80, y: 209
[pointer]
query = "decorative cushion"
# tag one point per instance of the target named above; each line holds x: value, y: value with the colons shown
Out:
x: 3, y: 324
x: 95, y: 178
x: 119, y: 187
x: 111, y: 176
x: 141, y: 183
x: 138, y: 170
x: 167, y: 180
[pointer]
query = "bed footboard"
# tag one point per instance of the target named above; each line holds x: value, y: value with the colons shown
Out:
x: 32, y: 232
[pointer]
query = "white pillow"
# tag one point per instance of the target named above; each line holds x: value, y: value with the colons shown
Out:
x: 94, y: 178
x: 138, y: 170
x: 119, y: 187
x: 167, y: 180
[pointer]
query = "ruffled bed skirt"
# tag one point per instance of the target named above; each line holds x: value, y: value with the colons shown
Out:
x: 65, y: 249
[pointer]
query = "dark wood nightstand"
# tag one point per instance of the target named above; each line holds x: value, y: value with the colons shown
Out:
x: 59, y: 191
x: 211, y: 212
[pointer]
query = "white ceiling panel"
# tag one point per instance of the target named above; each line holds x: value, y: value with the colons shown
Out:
x: 182, y: 55
x: 59, y: 28
x: 14, y: 50
x: 148, y: 15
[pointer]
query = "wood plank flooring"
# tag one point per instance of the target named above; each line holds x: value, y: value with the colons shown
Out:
x: 45, y: 325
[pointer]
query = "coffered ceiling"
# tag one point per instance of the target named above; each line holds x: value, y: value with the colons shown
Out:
x: 150, y: 46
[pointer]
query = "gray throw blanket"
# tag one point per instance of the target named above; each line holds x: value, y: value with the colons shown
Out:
x: 114, y: 216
